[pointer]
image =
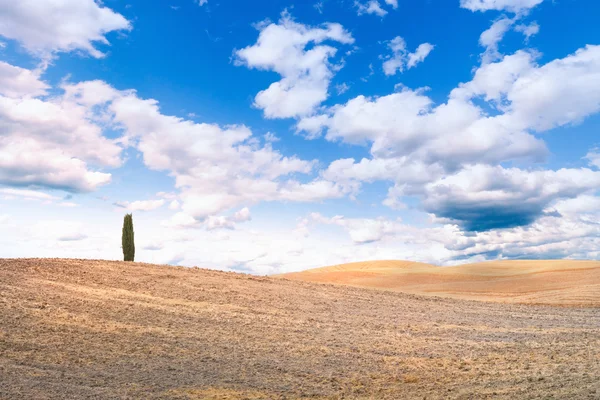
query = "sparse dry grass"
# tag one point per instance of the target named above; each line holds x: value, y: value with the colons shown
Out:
x: 553, y: 282
x: 81, y: 329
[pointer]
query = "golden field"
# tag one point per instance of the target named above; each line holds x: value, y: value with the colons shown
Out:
x: 553, y: 282
x: 90, y: 329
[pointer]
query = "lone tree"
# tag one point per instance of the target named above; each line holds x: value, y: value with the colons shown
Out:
x: 127, y: 239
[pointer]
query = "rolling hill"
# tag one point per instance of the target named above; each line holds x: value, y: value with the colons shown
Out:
x: 555, y: 282
x: 92, y: 329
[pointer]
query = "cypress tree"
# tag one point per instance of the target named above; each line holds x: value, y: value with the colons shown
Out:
x: 127, y: 238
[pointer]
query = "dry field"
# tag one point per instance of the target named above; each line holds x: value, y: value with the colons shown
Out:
x: 81, y: 329
x: 556, y: 282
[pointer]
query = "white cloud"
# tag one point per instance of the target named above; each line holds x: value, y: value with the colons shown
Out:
x: 481, y: 198
x: 270, y: 137
x: 530, y: 97
x: 419, y: 55
x: 174, y: 205
x: 362, y: 230
x: 167, y: 195
x: 26, y: 194
x: 494, y: 80
x: 515, y: 6
x: 593, y: 157
x: 29, y: 195
x: 312, y: 126
x: 201, y: 2
x: 528, y: 30
x: 371, y: 7
x: 18, y: 82
x: 306, y: 74
x: 401, y: 58
x: 561, y: 92
x: 72, y: 237
x: 242, y: 215
x: 413, y: 143
x: 333, y: 240
x: 397, y: 60
x: 153, y: 246
x: 46, y: 27
x: 69, y: 204
x: 228, y: 222
x: 180, y: 220
x: 219, y: 222
x: 405, y: 126
x: 52, y: 143
x: 215, y: 168
x: 57, y: 230
x: 393, y: 3
x: 141, y: 205
x: 568, y: 229
x: 492, y: 37
x: 342, y: 88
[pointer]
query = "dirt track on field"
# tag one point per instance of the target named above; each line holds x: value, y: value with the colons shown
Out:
x: 83, y: 329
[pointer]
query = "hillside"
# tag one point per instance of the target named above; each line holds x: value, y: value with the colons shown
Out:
x: 555, y: 282
x: 82, y: 329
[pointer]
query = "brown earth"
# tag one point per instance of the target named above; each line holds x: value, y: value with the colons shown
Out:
x: 554, y: 282
x: 82, y: 329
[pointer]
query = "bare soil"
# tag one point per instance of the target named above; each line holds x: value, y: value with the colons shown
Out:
x: 83, y: 329
x: 573, y: 283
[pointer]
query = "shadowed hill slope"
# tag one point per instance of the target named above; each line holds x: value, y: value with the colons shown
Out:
x: 90, y: 329
x: 554, y: 282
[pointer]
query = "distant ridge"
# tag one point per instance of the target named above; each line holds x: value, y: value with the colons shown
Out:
x: 552, y: 282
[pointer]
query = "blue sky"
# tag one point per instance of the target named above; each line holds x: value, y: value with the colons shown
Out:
x: 279, y: 136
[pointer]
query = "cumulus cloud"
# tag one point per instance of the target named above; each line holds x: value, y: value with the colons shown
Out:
x: 153, y: 246
x: 568, y: 229
x: 55, y: 142
x: 216, y: 168
x: 571, y: 232
x: 44, y: 27
x: 11, y: 193
x: 51, y: 143
x: 419, y: 55
x: 306, y: 73
x: 481, y: 198
x: 18, y: 82
x: 362, y: 230
x: 492, y: 37
x: 528, y: 30
x: 529, y: 97
x: 270, y: 137
x: 401, y: 59
x: 413, y: 143
x: 370, y: 7
x: 561, y: 92
x: 141, y: 205
x: 493, y: 81
x: 405, y: 126
x: 515, y: 6
x: 57, y: 231
x: 228, y: 222
x: 593, y: 157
